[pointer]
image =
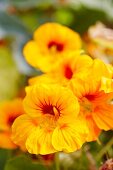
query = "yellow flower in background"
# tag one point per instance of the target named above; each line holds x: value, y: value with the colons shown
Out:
x: 49, y: 42
x: 71, y: 66
x: 9, y: 111
x: 51, y: 122
x: 95, y: 102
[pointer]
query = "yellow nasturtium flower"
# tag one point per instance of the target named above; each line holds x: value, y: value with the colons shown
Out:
x: 51, y: 122
x: 9, y: 111
x: 95, y: 99
x: 49, y: 42
x: 72, y: 65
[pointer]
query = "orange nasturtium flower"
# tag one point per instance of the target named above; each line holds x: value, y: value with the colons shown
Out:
x: 95, y: 98
x: 50, y: 41
x: 49, y: 123
x: 71, y: 66
x: 9, y: 111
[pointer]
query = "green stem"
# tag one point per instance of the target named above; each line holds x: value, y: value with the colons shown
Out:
x: 99, y: 142
x: 105, y: 149
x: 57, y: 163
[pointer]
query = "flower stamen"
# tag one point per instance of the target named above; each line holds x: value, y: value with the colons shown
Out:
x: 58, y: 46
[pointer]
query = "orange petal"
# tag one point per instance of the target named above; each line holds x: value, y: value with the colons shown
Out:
x: 9, y: 111
x: 5, y: 141
x: 103, y: 117
x: 94, y: 131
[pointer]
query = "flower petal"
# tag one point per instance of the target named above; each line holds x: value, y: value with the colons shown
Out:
x: 30, y: 52
x: 103, y: 117
x: 94, y: 131
x: 69, y: 138
x: 40, y: 95
x: 21, y: 129
x: 106, y: 85
x: 39, y: 142
x: 5, y: 141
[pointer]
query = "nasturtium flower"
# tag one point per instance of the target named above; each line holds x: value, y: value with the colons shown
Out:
x: 71, y: 66
x: 49, y: 42
x: 5, y: 140
x: 95, y: 99
x: 107, y: 82
x: 9, y: 111
x: 51, y: 122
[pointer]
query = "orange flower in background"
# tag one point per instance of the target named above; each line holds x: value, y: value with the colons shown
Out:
x: 9, y: 111
x: 95, y: 101
x: 50, y: 41
x: 71, y: 66
x: 49, y: 123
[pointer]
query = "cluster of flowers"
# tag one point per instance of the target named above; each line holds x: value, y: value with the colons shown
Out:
x: 71, y: 102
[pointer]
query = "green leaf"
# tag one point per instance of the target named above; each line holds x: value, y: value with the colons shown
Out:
x: 10, y: 76
x: 23, y: 163
x: 64, y: 16
x: 11, y: 25
x: 4, y: 155
x: 29, y: 4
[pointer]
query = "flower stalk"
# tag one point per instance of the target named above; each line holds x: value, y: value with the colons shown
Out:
x: 57, y: 163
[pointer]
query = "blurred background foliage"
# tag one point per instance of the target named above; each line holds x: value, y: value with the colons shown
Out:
x: 18, y: 20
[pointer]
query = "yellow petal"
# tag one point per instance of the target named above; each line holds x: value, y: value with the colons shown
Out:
x: 100, y: 69
x: 40, y: 95
x: 54, y: 31
x: 21, y: 129
x: 82, y: 87
x: 40, y: 55
x: 44, y: 78
x: 31, y: 52
x: 106, y: 85
x: 71, y: 137
x: 40, y: 142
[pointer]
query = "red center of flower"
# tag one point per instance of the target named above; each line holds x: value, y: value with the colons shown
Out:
x: 59, y: 46
x: 48, y: 109
x: 90, y: 97
x: 11, y: 120
x: 68, y: 72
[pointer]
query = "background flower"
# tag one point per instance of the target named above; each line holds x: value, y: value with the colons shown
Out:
x: 50, y: 42
x: 9, y: 111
